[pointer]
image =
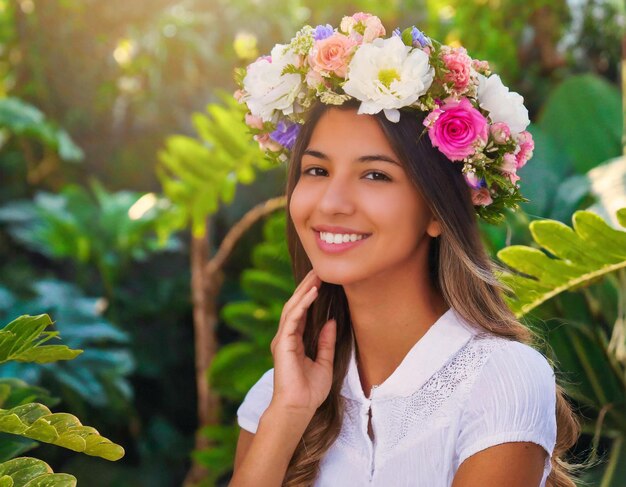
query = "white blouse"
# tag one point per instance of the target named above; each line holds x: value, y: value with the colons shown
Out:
x: 455, y: 393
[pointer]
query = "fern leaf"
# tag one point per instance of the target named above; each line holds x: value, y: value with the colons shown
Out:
x: 36, y: 421
x: 580, y: 255
x: 32, y: 472
x: 22, y: 340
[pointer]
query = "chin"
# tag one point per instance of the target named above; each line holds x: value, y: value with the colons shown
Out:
x: 341, y: 275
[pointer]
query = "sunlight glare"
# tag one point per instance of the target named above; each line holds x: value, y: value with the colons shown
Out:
x: 141, y: 206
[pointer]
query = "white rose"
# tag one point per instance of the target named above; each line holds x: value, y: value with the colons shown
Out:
x: 386, y: 75
x: 267, y: 90
x: 503, y: 105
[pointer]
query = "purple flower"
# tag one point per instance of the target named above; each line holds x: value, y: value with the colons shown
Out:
x: 322, y: 32
x: 286, y: 134
x: 473, y: 181
x: 419, y: 37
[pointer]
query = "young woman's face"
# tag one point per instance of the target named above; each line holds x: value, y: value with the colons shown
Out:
x: 351, y: 178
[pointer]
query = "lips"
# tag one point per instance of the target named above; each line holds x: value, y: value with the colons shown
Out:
x: 333, y: 248
x: 337, y: 229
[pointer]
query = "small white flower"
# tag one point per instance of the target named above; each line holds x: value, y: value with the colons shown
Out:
x: 503, y: 105
x: 386, y: 75
x: 266, y: 89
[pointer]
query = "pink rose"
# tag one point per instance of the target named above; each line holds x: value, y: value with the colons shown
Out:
x: 332, y: 55
x: 373, y: 29
x: 314, y: 79
x: 481, y: 66
x: 458, y: 64
x: 527, y: 145
x: 361, y: 16
x: 362, y: 27
x: 253, y: 121
x: 267, y: 143
x: 481, y: 196
x: 456, y: 128
x: 500, y: 132
x: 509, y: 163
x: 509, y: 167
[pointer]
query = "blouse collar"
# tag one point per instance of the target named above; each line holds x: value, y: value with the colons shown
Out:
x: 431, y: 352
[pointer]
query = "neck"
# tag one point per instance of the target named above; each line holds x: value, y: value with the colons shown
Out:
x: 389, y: 315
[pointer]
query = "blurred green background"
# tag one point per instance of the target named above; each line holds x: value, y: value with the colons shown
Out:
x: 126, y: 172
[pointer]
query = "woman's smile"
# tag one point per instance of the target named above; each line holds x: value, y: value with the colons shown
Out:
x: 333, y: 243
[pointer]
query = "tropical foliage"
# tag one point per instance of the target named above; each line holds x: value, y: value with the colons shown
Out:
x: 23, y: 340
x: 123, y: 214
x: 589, y: 348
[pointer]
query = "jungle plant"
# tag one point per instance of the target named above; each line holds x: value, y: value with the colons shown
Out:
x: 98, y: 377
x: 23, y: 340
x: 96, y: 230
x: 581, y: 272
x: 197, y: 175
x: 32, y: 147
x: 238, y: 365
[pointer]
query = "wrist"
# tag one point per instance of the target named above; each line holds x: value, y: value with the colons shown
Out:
x: 296, y: 417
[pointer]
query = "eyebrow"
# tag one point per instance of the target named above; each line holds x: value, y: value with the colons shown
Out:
x: 367, y: 158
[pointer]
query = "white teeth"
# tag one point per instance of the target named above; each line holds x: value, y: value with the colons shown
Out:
x: 335, y: 238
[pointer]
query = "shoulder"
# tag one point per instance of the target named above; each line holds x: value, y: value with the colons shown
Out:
x: 489, y: 358
x: 512, y: 398
x: 513, y: 361
x: 256, y: 402
x: 511, y: 370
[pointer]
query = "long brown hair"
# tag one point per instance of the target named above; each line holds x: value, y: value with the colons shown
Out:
x: 459, y: 269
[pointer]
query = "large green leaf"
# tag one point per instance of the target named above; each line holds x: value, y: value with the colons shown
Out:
x: 32, y: 472
x: 22, y: 340
x: 36, y: 421
x: 580, y: 256
x: 583, y: 115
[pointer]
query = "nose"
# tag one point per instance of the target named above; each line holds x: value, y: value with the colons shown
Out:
x: 337, y: 196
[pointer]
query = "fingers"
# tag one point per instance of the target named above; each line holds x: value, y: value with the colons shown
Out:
x: 326, y: 344
x: 311, y: 279
x: 292, y: 320
x: 296, y: 317
x: 304, y: 280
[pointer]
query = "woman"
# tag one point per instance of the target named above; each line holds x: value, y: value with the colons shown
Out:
x: 397, y: 361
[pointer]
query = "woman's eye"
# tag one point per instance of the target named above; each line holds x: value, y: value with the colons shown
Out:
x: 384, y: 177
x: 318, y: 171
x: 308, y: 171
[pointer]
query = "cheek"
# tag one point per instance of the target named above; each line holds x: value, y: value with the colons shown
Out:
x: 300, y: 206
x: 403, y: 216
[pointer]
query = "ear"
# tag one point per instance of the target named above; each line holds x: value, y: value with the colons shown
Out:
x: 434, y: 227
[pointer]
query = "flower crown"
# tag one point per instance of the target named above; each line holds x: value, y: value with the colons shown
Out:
x: 472, y: 118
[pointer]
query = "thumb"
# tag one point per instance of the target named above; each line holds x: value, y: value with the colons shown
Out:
x: 326, y: 344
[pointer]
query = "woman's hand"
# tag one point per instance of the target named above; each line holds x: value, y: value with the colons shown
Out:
x: 301, y: 384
